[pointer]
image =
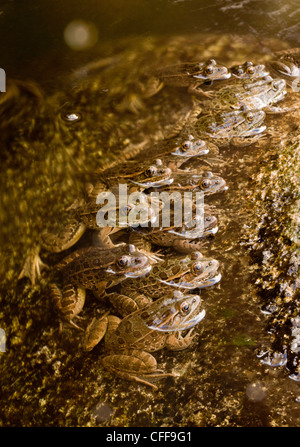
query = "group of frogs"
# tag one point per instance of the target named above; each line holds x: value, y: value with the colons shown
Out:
x: 151, y: 274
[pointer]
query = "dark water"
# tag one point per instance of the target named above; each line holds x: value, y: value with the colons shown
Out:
x: 32, y: 43
x: 231, y: 386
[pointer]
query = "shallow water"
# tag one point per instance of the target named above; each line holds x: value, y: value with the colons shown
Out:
x: 221, y: 382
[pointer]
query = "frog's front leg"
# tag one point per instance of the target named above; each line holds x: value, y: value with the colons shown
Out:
x: 135, y: 365
x: 176, y: 342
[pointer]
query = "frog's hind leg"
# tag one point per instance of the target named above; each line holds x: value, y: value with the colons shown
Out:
x: 135, y: 365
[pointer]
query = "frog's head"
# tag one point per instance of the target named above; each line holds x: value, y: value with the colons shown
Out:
x: 153, y: 175
x: 211, y: 71
x: 190, y: 148
x: 130, y: 263
x: 175, y: 312
x: 198, y: 226
x: 207, y: 182
x: 249, y: 71
x: 192, y: 272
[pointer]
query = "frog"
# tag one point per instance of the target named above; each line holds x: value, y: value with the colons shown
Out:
x: 234, y: 127
x: 137, y: 175
x: 96, y: 269
x: 248, y: 95
x: 204, y: 181
x: 193, y: 75
x: 192, y: 271
x: 153, y: 327
x: 184, y: 238
x: 80, y: 217
x: 176, y: 155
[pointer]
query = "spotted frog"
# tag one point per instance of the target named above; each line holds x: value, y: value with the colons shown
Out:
x: 205, y: 181
x: 193, y: 75
x: 95, y: 269
x: 238, y: 127
x: 250, y: 95
x: 184, y: 238
x: 149, y: 329
x: 190, y: 272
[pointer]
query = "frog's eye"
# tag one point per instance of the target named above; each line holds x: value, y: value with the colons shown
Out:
x: 209, y: 69
x: 186, y: 145
x: 184, y: 308
x: 152, y: 170
x: 250, y: 117
x: 275, y: 86
x: 197, y: 267
x: 208, y: 219
x: 123, y: 261
x: 205, y: 184
x: 250, y: 70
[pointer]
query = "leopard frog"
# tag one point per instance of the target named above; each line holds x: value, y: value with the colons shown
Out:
x: 176, y: 155
x: 193, y: 75
x: 190, y: 272
x: 205, y: 181
x: 96, y: 269
x: 238, y: 127
x: 83, y: 216
x: 136, y: 174
x: 184, y: 238
x: 250, y: 95
x: 146, y: 330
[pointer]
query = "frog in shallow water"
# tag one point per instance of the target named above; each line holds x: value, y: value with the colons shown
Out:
x: 237, y: 127
x: 189, y: 272
x: 249, y: 95
x: 184, y: 238
x: 193, y: 75
x: 88, y: 215
x: 95, y: 269
x: 155, y: 326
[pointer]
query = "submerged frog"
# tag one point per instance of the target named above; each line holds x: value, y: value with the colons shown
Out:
x: 146, y: 330
x: 89, y: 215
x: 136, y: 174
x: 205, y: 181
x: 190, y: 272
x: 177, y: 156
x: 238, y: 127
x: 193, y: 75
x: 249, y: 95
x: 95, y: 269
x: 184, y: 238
